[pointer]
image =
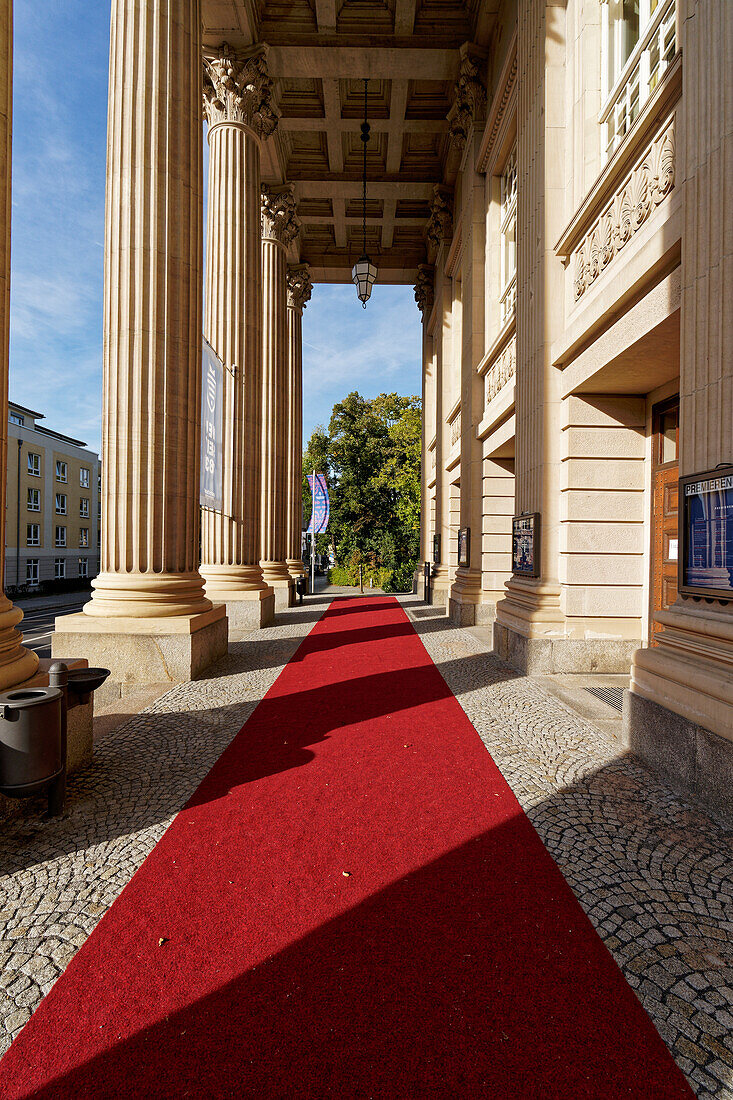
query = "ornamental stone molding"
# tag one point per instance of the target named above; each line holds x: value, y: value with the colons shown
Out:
x: 424, y: 288
x: 455, y: 429
x: 237, y: 88
x: 643, y: 190
x: 469, y: 97
x: 300, y: 286
x: 440, y: 222
x: 501, y: 371
x: 280, y: 221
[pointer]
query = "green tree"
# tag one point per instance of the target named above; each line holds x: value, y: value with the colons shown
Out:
x: 371, y: 457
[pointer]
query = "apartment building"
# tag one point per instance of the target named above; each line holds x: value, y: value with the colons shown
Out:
x: 52, y: 509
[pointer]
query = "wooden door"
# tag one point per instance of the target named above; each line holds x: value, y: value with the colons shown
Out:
x: 665, y: 509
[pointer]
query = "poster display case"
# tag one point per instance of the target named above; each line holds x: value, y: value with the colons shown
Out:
x: 526, y: 545
x: 464, y: 546
x: 706, y: 532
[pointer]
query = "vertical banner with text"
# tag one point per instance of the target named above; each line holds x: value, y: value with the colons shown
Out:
x: 320, y: 512
x: 212, y: 423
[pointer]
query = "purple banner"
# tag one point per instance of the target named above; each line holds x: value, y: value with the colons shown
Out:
x: 321, y: 509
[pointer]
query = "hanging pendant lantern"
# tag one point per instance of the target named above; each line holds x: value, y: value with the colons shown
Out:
x: 364, y: 272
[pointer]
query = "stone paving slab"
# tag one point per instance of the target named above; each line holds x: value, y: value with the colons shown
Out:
x: 654, y: 874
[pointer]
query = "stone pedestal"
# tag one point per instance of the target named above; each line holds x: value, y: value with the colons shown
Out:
x: 138, y: 651
x: 237, y: 94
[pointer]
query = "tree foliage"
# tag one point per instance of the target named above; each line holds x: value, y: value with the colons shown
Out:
x: 370, y: 455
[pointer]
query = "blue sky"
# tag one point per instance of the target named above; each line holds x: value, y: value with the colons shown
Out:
x: 59, y: 127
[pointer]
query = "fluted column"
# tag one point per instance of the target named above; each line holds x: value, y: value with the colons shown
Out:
x: 16, y: 663
x: 299, y: 292
x: 425, y: 298
x: 237, y: 100
x: 279, y: 227
x: 152, y: 315
x: 149, y: 619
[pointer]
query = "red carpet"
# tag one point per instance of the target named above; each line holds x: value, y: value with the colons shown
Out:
x: 353, y: 905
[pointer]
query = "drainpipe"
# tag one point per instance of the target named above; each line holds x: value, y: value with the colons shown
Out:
x: 17, y: 526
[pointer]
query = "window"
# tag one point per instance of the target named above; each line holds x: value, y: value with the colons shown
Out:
x: 639, y: 40
x: 31, y: 571
x: 34, y: 464
x: 83, y: 567
x: 62, y: 471
x: 61, y: 504
x: 33, y: 534
x: 16, y: 418
x: 60, y: 536
x: 34, y: 500
x: 508, y: 230
x: 84, y: 507
x: 84, y: 477
x: 83, y: 536
x: 59, y: 569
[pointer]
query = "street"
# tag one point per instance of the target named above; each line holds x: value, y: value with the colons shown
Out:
x: 39, y: 615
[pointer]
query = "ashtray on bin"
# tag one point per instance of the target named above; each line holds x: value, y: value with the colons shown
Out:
x: 81, y: 682
x: 32, y: 744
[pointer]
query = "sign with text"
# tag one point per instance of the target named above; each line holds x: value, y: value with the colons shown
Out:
x: 526, y: 545
x: 464, y: 546
x: 320, y: 511
x: 212, y: 425
x: 706, y: 564
x: 436, y: 549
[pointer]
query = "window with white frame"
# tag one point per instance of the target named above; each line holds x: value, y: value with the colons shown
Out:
x: 84, y: 507
x: 31, y: 571
x: 34, y: 464
x: 83, y: 567
x: 59, y: 569
x: 16, y: 418
x: 61, y: 504
x: 84, y: 477
x: 83, y: 536
x: 33, y: 534
x: 34, y: 500
x: 639, y: 41
x: 508, y: 233
x: 60, y: 536
x: 62, y: 471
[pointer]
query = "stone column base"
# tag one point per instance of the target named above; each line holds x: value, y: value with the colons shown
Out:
x: 251, y: 610
x: 692, y: 759
x: 284, y: 593
x: 461, y: 612
x: 539, y: 656
x: 144, y: 651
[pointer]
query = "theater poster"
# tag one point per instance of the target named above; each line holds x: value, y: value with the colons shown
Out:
x: 526, y: 545
x: 706, y: 563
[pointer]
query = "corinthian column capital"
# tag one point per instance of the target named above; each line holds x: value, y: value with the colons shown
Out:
x: 424, y: 288
x: 469, y: 95
x: 299, y: 286
x: 237, y: 88
x: 280, y: 221
x: 440, y: 222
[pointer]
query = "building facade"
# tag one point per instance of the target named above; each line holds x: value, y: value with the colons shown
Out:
x: 553, y: 176
x: 53, y: 507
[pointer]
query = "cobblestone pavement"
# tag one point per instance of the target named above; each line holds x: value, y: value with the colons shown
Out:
x: 654, y: 875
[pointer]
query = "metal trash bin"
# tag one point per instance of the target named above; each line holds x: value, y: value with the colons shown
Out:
x: 301, y: 587
x: 32, y: 743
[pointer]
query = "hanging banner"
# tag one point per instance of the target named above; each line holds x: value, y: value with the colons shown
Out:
x: 212, y: 423
x: 321, y: 509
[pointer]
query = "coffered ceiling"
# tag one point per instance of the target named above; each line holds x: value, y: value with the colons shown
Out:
x: 320, y: 53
